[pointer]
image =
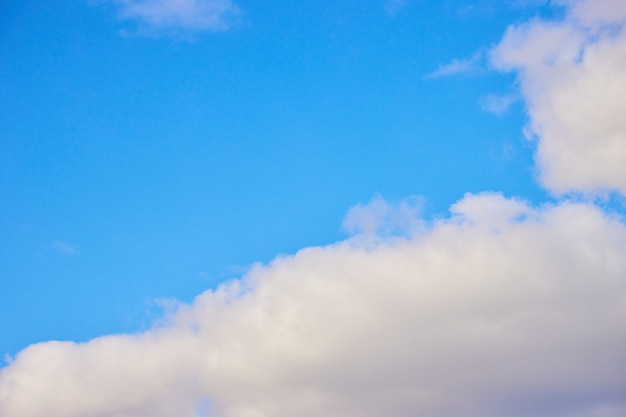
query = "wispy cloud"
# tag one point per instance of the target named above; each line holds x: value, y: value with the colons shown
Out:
x: 393, y: 7
x: 64, y: 248
x: 459, y: 66
x: 179, y: 15
x: 498, y: 104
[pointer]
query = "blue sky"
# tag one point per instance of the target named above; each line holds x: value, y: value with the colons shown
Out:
x: 169, y: 163
x: 144, y: 159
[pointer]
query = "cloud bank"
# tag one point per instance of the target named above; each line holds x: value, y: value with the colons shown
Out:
x: 572, y: 74
x: 177, y: 15
x: 500, y: 309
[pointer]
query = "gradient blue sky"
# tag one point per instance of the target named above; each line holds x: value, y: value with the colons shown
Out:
x: 139, y: 166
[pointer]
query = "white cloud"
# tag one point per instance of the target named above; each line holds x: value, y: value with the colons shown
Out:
x: 177, y: 15
x: 380, y: 218
x: 64, y: 248
x: 458, y: 67
x: 501, y: 310
x: 596, y: 12
x: 572, y: 74
x: 527, y: 3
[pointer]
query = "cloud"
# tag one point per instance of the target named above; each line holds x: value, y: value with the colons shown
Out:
x: 64, y: 248
x: 502, y: 309
x: 393, y: 7
x: 179, y: 15
x: 498, y: 104
x: 458, y: 67
x: 596, y: 12
x: 572, y: 75
x: 499, y: 309
x: 527, y: 3
x: 380, y: 218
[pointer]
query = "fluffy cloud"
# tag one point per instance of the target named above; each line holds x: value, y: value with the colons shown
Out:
x: 500, y: 310
x: 572, y: 74
x: 175, y: 15
x: 381, y: 219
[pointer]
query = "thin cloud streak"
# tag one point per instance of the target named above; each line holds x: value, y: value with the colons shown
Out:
x: 64, y: 248
x: 498, y: 104
x: 180, y: 15
x: 458, y: 67
x: 393, y: 7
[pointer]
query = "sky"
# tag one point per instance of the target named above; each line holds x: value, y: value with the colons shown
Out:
x: 216, y: 208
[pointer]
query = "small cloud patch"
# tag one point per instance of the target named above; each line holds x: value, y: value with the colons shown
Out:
x: 472, y: 64
x: 179, y: 16
x: 64, y: 248
x: 498, y: 104
x: 393, y: 7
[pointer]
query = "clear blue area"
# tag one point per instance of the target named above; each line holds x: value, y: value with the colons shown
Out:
x: 170, y: 164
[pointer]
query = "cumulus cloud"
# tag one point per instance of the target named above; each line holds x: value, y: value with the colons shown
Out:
x: 380, y: 218
x: 502, y: 309
x: 177, y: 15
x: 572, y: 74
x: 499, y: 309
